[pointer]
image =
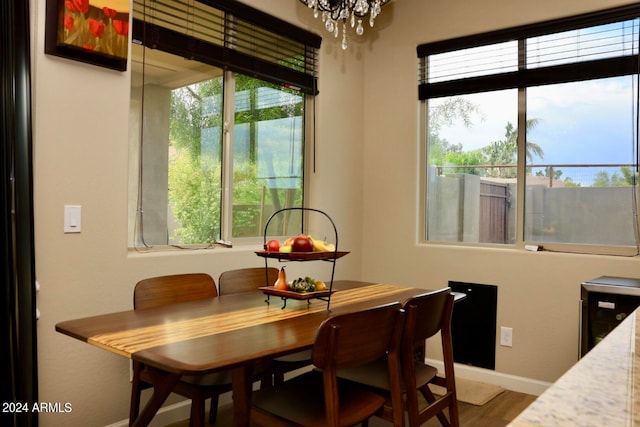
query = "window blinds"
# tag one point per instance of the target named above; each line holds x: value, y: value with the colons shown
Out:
x: 230, y: 35
x: 595, y: 45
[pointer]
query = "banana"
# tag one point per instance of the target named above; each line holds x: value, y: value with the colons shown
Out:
x: 318, y: 245
x: 322, y: 245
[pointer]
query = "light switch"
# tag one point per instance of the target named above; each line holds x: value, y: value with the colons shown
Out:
x: 72, y: 218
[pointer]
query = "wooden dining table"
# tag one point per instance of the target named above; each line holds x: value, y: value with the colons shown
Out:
x: 233, y: 332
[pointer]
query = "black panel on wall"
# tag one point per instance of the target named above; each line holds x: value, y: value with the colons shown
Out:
x: 473, y: 324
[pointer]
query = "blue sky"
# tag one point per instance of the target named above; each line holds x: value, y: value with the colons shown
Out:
x: 587, y: 122
x: 579, y: 123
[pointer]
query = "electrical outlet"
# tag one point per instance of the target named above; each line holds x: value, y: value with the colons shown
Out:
x: 506, y: 336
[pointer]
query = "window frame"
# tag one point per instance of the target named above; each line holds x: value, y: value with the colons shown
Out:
x: 520, y: 80
x: 232, y: 61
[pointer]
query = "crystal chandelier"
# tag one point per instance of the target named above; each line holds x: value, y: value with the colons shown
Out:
x: 351, y: 11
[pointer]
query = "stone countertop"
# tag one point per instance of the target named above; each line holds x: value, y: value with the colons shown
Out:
x: 600, y: 390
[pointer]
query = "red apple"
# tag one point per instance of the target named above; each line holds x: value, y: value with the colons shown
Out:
x: 302, y: 244
x: 272, y: 246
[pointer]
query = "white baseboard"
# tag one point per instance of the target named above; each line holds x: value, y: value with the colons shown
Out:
x: 510, y: 382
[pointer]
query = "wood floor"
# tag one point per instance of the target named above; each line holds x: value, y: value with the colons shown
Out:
x: 496, y: 413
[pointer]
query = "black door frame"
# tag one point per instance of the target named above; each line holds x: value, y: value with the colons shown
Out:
x: 18, y: 344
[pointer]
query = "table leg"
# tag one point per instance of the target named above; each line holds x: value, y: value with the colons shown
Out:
x: 164, y: 382
x: 242, y: 383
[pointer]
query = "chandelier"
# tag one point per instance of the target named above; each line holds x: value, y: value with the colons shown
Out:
x: 347, y: 11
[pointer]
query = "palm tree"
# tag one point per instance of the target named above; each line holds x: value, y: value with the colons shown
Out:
x: 532, y: 149
x: 505, y: 152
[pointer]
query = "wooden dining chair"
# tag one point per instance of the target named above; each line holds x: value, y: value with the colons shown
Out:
x: 250, y: 279
x: 426, y: 315
x: 246, y: 279
x: 162, y: 291
x: 319, y: 398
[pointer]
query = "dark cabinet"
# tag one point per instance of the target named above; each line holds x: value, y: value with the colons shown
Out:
x: 605, y: 302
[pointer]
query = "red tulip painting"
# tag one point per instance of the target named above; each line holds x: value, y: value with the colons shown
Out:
x: 93, y: 31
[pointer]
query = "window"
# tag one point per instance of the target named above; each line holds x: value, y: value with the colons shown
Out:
x: 219, y: 100
x: 531, y: 135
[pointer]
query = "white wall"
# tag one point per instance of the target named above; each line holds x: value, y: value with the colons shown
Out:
x: 365, y: 178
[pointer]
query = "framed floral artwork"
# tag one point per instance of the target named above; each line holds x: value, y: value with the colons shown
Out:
x: 91, y: 31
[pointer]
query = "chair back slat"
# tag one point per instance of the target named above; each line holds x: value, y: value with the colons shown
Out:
x: 358, y: 338
x: 425, y: 314
x: 165, y: 290
x: 246, y: 279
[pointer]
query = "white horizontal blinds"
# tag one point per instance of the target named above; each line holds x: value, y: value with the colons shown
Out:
x: 585, y: 44
x: 230, y: 35
x: 473, y: 62
x: 597, y: 45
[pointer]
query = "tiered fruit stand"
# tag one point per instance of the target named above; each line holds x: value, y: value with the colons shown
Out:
x: 328, y: 256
